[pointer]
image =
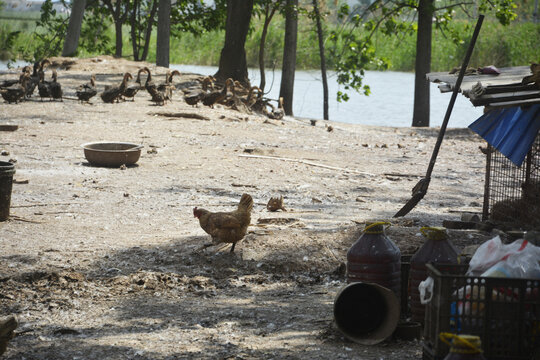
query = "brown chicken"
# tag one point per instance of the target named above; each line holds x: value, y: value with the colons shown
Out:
x: 226, y: 227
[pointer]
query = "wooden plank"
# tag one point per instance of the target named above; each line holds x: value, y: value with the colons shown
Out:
x: 498, y: 89
x: 515, y: 103
x: 495, y: 98
x: 508, y: 76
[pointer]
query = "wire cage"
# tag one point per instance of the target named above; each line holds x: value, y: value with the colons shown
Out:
x: 512, y: 193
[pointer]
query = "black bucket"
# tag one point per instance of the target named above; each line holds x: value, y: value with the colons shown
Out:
x: 366, y: 313
x: 6, y: 181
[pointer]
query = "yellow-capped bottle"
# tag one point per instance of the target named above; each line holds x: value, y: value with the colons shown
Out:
x: 375, y: 258
x: 463, y: 347
x: 437, y: 249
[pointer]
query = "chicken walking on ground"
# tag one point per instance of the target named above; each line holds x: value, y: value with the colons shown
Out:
x: 226, y: 227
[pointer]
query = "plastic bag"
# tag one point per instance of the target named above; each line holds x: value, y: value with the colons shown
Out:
x: 426, y: 287
x: 518, y: 259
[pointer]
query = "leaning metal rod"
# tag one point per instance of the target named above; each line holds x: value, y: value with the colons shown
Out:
x: 421, y: 187
x: 454, y: 96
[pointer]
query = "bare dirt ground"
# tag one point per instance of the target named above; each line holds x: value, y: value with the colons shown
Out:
x: 102, y: 263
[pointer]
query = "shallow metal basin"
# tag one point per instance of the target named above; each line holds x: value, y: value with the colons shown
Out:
x: 112, y: 154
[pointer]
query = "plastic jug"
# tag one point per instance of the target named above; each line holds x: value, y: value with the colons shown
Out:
x: 437, y: 249
x: 375, y: 258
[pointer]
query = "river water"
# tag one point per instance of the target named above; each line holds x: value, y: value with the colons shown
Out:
x: 389, y: 104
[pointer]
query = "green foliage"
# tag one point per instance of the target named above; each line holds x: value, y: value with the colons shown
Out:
x: 96, y: 36
x: 7, y: 42
x: 353, y: 48
x: 49, y: 34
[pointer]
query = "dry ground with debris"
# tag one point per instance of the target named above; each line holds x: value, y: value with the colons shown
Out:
x: 102, y: 263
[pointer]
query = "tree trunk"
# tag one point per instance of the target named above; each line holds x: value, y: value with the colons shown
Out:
x: 232, y: 62
x: 323, y: 59
x: 289, y: 56
x: 118, y: 34
x: 423, y: 64
x: 74, y: 28
x: 163, y: 33
x: 116, y: 12
x: 269, y: 13
x: 133, y: 23
x: 148, y: 33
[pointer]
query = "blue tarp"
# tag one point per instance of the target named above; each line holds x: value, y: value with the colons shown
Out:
x: 510, y: 130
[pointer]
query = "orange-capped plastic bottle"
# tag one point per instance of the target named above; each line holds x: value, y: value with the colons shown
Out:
x: 438, y: 250
x: 375, y: 258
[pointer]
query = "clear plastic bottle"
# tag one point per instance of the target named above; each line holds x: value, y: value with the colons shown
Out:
x: 437, y: 249
x: 375, y: 258
x: 463, y: 347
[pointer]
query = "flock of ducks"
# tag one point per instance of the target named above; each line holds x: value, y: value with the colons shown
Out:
x: 231, y: 94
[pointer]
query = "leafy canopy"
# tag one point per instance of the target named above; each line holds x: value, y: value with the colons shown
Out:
x: 393, y: 18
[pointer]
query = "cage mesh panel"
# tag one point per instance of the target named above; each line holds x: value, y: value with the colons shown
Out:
x: 505, y: 178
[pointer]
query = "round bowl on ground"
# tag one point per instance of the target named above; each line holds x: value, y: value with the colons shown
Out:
x: 112, y: 154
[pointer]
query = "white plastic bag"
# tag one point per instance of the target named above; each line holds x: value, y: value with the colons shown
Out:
x: 424, y: 287
x: 518, y: 259
x: 523, y: 264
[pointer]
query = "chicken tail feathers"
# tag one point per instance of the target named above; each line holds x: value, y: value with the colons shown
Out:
x: 246, y: 202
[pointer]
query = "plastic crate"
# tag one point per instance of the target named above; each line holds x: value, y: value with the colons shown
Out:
x: 507, y: 321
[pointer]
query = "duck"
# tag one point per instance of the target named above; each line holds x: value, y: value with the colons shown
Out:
x: 241, y: 90
x: 16, y: 92
x: 34, y: 78
x: 167, y: 87
x: 10, y: 82
x: 44, y: 90
x: 157, y: 96
x: 109, y: 95
x: 240, y: 103
x: 132, y: 90
x: 277, y: 114
x: 55, y: 87
x: 216, y: 96
x: 149, y: 84
x: 194, y: 95
x: 88, y: 90
x: 259, y: 104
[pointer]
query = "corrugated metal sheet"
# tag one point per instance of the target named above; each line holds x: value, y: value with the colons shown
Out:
x: 510, y: 130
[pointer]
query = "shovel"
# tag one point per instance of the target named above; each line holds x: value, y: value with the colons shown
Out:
x: 420, y: 189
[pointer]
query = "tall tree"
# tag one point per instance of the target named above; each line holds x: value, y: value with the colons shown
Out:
x: 317, y: 15
x: 423, y: 64
x: 269, y: 8
x: 119, y: 10
x: 74, y: 28
x: 232, y: 62
x: 142, y: 21
x: 163, y: 33
x: 289, y: 56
